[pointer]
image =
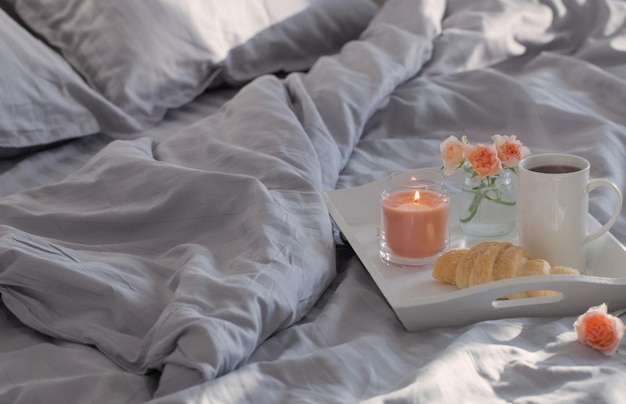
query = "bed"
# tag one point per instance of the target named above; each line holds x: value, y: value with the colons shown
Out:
x: 164, y: 235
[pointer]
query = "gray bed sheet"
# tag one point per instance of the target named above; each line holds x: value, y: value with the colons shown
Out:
x: 203, y: 267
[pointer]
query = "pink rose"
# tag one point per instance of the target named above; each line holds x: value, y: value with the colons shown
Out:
x: 599, y: 330
x: 510, y: 150
x: 451, y: 154
x: 484, y: 159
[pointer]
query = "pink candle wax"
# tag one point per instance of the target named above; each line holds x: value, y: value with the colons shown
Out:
x: 415, y: 225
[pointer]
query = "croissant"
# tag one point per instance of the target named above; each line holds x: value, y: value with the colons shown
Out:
x: 491, y: 261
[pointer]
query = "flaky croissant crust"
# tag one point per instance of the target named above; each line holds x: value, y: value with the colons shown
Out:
x: 490, y: 261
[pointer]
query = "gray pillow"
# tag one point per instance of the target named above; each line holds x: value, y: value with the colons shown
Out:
x: 147, y: 56
x: 42, y: 99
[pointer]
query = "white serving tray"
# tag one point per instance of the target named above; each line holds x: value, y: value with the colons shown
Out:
x: 421, y: 302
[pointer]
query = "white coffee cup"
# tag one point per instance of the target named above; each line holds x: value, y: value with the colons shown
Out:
x: 552, y: 214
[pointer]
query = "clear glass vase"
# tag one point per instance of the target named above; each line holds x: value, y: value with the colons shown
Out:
x: 488, y: 206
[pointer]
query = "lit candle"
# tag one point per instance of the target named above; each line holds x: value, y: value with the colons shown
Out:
x: 415, y: 223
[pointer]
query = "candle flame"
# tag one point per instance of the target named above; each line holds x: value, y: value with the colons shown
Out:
x: 416, y: 197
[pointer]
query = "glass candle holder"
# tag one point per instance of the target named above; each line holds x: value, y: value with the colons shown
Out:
x: 415, y: 210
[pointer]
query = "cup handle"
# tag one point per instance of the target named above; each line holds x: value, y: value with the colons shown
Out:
x: 599, y: 182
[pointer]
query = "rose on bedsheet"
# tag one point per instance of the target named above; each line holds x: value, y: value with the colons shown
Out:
x: 600, y: 330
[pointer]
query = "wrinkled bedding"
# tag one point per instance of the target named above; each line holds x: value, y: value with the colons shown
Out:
x: 203, y: 266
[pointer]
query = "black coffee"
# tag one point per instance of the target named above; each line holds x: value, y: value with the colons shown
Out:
x: 555, y: 169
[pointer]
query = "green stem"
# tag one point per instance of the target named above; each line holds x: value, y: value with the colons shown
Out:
x: 500, y: 201
x: 473, y: 208
x: 481, y: 192
x: 620, y: 313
